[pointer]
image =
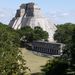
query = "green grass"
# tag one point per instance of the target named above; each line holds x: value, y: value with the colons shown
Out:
x: 33, y: 61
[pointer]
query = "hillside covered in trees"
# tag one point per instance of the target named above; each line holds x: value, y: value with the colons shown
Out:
x: 64, y: 65
x: 64, y: 32
x: 11, y: 61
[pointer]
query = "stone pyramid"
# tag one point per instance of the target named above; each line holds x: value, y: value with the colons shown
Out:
x: 31, y: 15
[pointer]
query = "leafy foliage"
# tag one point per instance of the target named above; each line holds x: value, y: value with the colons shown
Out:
x: 64, y: 32
x: 33, y: 34
x: 11, y: 62
x: 64, y: 65
x: 55, y: 67
x: 69, y: 53
x: 39, y: 34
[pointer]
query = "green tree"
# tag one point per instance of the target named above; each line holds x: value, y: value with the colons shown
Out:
x: 64, y: 65
x: 55, y: 67
x: 33, y: 34
x: 64, y: 32
x: 40, y: 34
x: 69, y: 54
x: 11, y: 62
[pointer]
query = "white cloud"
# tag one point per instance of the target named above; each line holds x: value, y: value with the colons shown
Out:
x: 6, y: 15
x: 65, y: 14
x: 2, y: 15
x: 62, y: 16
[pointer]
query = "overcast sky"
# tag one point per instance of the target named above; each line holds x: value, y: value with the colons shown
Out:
x: 59, y: 11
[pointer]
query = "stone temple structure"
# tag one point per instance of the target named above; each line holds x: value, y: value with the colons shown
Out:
x: 31, y: 15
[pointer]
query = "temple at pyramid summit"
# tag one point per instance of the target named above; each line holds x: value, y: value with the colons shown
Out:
x: 30, y: 14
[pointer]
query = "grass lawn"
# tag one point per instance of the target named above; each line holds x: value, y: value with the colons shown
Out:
x: 33, y: 61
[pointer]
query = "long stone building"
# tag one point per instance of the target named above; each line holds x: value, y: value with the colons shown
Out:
x: 47, y: 48
x: 30, y: 14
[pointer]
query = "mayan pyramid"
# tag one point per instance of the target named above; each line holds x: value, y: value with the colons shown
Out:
x: 30, y: 14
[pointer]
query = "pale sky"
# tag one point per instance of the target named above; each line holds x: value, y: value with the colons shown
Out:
x: 59, y: 11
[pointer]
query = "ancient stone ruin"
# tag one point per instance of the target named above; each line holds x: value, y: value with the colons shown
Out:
x: 31, y: 15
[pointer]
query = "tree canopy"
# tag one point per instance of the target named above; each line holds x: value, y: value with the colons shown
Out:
x: 55, y: 67
x: 11, y: 62
x: 65, y: 64
x: 33, y: 34
x: 63, y: 33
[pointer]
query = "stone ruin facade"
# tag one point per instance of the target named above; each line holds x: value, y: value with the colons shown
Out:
x: 47, y: 48
x: 31, y: 15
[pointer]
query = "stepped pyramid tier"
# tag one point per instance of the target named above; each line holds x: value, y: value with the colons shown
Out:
x: 31, y: 15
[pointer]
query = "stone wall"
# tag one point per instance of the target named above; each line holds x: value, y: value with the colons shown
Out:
x: 47, y: 48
